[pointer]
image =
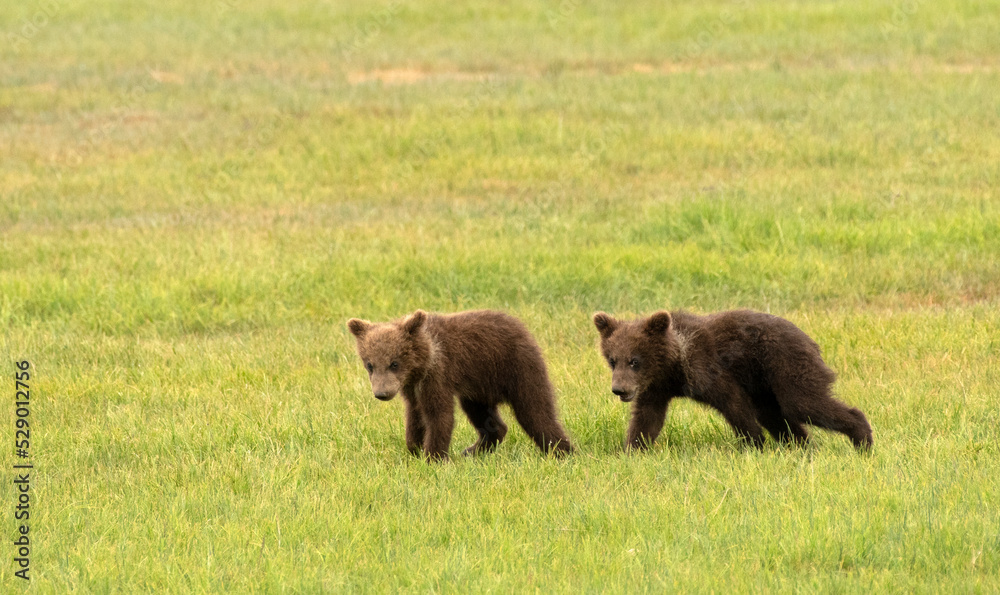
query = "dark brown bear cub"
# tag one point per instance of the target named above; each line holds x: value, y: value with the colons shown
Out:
x: 484, y: 357
x: 754, y: 368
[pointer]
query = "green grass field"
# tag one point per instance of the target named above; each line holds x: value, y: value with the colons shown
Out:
x: 196, y: 196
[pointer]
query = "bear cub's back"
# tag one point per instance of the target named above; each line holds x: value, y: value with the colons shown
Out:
x: 482, y: 335
x: 755, y: 344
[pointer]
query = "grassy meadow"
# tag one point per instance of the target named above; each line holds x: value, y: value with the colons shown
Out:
x: 194, y: 197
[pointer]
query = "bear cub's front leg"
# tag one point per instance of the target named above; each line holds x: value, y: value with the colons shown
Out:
x: 415, y: 428
x: 648, y: 415
x: 439, y: 422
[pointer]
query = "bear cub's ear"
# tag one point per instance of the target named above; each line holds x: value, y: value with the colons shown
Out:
x: 358, y: 327
x: 658, y: 323
x: 605, y: 324
x: 415, y: 321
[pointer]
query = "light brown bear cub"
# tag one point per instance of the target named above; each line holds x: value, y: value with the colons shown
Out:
x: 483, y: 357
x: 754, y: 368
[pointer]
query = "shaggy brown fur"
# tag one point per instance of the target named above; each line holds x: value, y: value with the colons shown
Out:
x: 754, y: 368
x: 484, y: 357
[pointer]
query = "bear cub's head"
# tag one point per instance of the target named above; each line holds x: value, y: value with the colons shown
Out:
x: 394, y: 353
x: 638, y: 351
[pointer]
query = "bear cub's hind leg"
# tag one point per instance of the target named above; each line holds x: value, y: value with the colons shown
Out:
x: 811, y: 402
x: 784, y: 430
x: 734, y: 405
x: 486, y: 419
x: 536, y: 413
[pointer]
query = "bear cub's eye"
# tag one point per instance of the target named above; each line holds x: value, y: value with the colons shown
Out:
x: 394, y: 366
x: 369, y: 367
x: 633, y: 363
x: 612, y: 362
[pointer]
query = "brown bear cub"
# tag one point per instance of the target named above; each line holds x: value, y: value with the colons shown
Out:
x: 484, y: 357
x: 754, y: 368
